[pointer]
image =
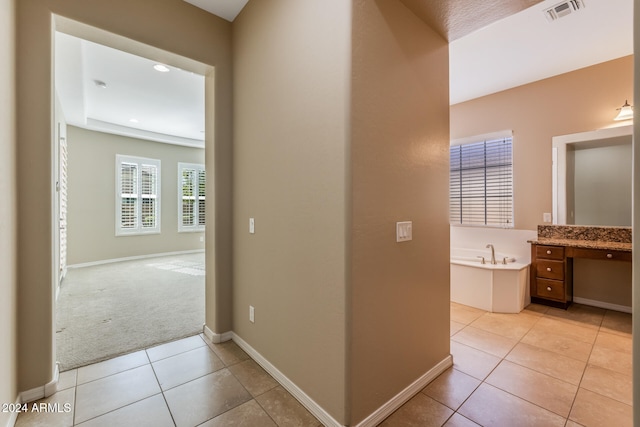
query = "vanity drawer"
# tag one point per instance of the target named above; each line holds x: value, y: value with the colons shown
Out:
x: 552, y: 289
x: 549, y: 252
x: 601, y: 254
x: 550, y: 269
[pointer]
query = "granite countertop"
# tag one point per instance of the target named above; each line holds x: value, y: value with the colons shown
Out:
x: 587, y: 244
x: 587, y: 237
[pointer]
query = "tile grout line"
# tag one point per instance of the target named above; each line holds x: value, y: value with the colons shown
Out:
x: 164, y: 398
x: 566, y: 419
x: 584, y: 371
x: 75, y: 399
x: 483, y: 381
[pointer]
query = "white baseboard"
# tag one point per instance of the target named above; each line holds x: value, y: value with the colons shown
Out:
x: 602, y: 304
x: 323, y: 416
x: 133, y: 258
x: 216, y: 338
x: 306, y: 401
x: 46, y: 390
x: 13, y: 416
x: 401, y: 398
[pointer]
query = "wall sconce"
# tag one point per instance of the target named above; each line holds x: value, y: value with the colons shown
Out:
x: 626, y: 112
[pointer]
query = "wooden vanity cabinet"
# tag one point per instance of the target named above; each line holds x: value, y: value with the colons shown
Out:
x: 551, y: 276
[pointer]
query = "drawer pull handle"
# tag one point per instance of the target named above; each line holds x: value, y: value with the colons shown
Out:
x: 609, y: 256
x: 548, y: 268
x: 549, y: 288
x: 549, y: 252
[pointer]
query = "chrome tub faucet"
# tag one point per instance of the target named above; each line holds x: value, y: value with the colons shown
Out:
x: 493, y: 254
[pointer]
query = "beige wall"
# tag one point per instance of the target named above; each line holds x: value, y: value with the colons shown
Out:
x: 399, y: 292
x: 8, y: 220
x: 172, y: 25
x: 291, y: 80
x: 579, y: 101
x: 91, y: 216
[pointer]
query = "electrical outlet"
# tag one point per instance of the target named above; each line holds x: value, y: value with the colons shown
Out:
x: 252, y: 314
x: 202, y: 238
x: 546, y: 217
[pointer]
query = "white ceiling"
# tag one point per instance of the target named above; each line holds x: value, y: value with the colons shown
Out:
x: 169, y: 107
x: 166, y: 107
x: 525, y: 47
x: 227, y: 9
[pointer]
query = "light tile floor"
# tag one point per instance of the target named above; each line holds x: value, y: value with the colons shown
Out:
x: 542, y: 367
x: 185, y: 383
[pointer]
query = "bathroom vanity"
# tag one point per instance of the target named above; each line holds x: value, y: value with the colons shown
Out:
x: 553, y: 252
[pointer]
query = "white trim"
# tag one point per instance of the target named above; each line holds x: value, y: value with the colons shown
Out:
x: 32, y: 395
x: 484, y: 137
x: 52, y: 386
x: 323, y: 416
x: 216, y: 338
x: 133, y: 258
x: 602, y: 304
x: 43, y: 391
x: 13, y: 416
x: 105, y: 127
x: 401, y: 398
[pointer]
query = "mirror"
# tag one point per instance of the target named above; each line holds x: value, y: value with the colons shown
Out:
x: 592, y: 177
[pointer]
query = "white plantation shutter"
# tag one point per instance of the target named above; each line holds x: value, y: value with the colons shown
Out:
x: 138, y: 195
x: 129, y: 195
x: 188, y: 197
x: 481, y: 183
x: 62, y: 197
x: 149, y: 196
x: 202, y: 178
x: 191, y: 199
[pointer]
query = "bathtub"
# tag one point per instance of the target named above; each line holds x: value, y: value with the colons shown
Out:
x: 499, y: 288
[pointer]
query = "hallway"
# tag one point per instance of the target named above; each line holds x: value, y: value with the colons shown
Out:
x: 541, y: 367
x: 182, y: 383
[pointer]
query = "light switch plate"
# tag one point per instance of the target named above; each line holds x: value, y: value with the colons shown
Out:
x: 404, y: 231
x: 252, y: 226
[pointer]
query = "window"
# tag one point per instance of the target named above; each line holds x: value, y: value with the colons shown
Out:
x: 481, y: 181
x: 191, y: 198
x: 137, y: 195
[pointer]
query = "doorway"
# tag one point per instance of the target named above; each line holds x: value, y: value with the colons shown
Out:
x: 133, y: 234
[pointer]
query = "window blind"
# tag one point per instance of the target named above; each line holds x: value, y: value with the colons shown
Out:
x: 481, y: 183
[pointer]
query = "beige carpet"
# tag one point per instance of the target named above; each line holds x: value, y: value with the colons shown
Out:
x: 112, y: 309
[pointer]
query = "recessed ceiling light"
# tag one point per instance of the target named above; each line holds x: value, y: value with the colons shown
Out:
x: 133, y: 120
x: 161, y: 68
x: 100, y: 84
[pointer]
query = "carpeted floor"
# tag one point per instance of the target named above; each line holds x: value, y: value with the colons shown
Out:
x: 107, y: 310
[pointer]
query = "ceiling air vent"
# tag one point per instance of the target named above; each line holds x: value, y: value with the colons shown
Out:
x: 563, y: 9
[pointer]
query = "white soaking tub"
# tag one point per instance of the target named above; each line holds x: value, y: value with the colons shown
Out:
x: 499, y: 288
